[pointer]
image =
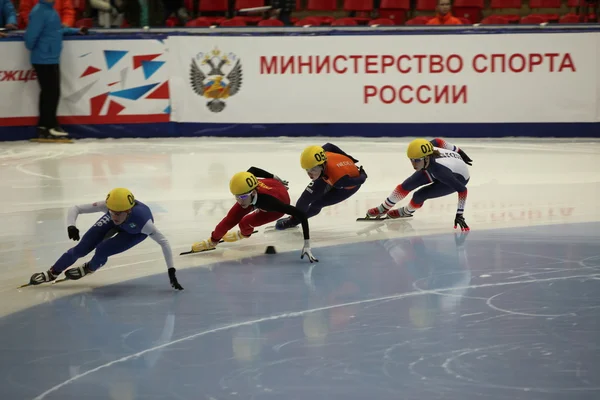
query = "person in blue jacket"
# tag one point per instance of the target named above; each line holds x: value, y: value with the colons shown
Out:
x: 44, y: 38
x: 8, y: 16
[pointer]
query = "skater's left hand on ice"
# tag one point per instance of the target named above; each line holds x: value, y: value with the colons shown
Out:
x: 460, y: 220
x: 306, y: 252
x: 173, y: 279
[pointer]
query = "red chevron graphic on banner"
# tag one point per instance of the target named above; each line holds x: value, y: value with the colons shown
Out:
x: 89, y: 71
x: 161, y: 93
x: 137, y: 60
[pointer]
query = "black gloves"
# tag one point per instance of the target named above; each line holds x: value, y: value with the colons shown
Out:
x: 465, y: 157
x: 73, y: 233
x: 460, y: 220
x: 173, y: 279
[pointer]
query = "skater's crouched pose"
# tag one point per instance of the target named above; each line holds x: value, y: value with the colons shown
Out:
x: 441, y: 169
x: 126, y: 222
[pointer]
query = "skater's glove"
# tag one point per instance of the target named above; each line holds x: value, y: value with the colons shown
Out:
x: 465, y: 157
x: 306, y: 252
x: 285, y: 183
x: 73, y: 233
x: 361, y: 171
x: 460, y: 220
x: 173, y: 279
x: 232, y: 236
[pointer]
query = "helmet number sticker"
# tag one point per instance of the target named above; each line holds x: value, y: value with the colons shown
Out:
x: 425, y: 148
x: 130, y: 199
x: 251, y: 181
x: 320, y: 156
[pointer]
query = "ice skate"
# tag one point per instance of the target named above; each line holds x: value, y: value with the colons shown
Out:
x: 54, y: 135
x: 78, y: 272
x: 399, y: 213
x: 42, y: 277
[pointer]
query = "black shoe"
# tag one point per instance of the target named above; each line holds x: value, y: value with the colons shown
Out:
x: 43, y: 132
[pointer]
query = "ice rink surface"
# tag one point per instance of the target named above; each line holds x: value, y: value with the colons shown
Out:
x: 393, y: 310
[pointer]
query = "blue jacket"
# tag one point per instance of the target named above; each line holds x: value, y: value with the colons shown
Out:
x: 44, y: 34
x: 7, y: 13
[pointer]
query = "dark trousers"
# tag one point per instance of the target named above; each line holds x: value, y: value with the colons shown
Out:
x: 99, y: 237
x: 48, y: 76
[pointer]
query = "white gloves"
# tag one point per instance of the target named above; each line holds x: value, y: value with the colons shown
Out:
x: 306, y: 252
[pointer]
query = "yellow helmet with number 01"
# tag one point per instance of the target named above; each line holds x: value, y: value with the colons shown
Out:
x: 242, y: 183
x: 120, y: 199
x: 312, y: 156
x: 419, y: 148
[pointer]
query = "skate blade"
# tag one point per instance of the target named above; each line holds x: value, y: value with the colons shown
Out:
x: 57, y: 140
x: 371, y: 219
x: 270, y: 229
x: 194, y: 252
x: 52, y: 283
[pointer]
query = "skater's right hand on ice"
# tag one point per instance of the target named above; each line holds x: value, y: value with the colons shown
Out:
x: 460, y: 220
x: 173, y: 279
x: 73, y: 233
x: 306, y: 252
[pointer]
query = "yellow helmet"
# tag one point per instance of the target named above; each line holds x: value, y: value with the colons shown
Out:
x: 242, y: 182
x: 419, y: 148
x: 312, y: 156
x: 120, y: 199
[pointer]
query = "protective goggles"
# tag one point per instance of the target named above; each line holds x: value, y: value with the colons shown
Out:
x: 243, y: 196
x: 314, y: 170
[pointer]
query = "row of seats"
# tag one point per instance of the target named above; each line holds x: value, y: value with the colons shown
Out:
x: 348, y: 21
x: 389, y: 12
x: 397, y: 11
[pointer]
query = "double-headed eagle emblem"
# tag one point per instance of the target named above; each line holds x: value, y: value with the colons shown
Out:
x: 215, y: 85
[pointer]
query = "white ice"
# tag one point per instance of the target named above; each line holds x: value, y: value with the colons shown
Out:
x: 514, y: 182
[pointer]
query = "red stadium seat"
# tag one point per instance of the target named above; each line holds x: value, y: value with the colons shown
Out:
x: 213, y: 6
x: 418, y: 20
x: 470, y: 9
x: 569, y: 19
x: 233, y: 22
x: 535, y: 4
x: 426, y: 5
x: 515, y: 5
x: 322, y: 5
x: 381, y: 21
x: 271, y: 22
x: 394, y: 10
x: 495, y: 20
x: 199, y: 22
x: 533, y: 19
x: 344, y: 22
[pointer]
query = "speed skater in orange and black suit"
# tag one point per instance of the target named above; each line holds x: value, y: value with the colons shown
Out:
x: 335, y: 177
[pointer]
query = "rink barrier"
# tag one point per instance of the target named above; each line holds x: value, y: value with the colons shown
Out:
x: 137, y: 83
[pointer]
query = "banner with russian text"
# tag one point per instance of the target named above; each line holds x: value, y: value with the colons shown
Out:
x: 392, y: 79
x: 102, y: 82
